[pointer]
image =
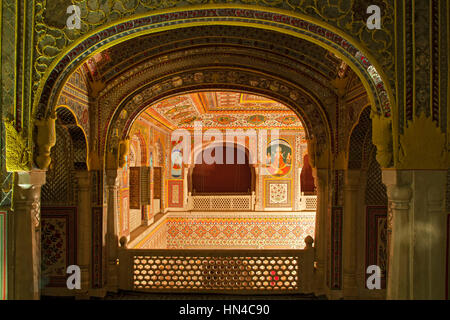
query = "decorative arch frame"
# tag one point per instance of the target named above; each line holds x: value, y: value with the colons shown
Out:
x: 142, y: 145
x: 283, y: 21
x: 77, y: 124
x: 306, y: 107
x: 352, y: 161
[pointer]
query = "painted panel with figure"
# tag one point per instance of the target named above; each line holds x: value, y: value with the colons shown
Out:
x: 279, y: 157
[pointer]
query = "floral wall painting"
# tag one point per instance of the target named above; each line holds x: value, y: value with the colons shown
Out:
x: 176, y: 165
x: 278, y: 157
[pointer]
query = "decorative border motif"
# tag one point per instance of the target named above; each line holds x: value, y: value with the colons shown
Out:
x: 69, y: 214
x: 285, y: 204
x: 170, y: 189
x: 281, y: 231
x: 376, y: 245
x: 225, y: 15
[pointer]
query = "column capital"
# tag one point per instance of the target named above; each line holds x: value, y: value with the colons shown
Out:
x: 352, y: 178
x: 398, y: 187
x: 35, y: 178
x: 83, y: 180
x: 111, y: 177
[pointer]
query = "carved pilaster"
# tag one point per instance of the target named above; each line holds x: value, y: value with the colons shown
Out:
x: 27, y: 234
x: 112, y: 239
x: 399, y: 194
x: 45, y: 140
x: 416, y: 233
x: 321, y: 183
x: 84, y: 227
x: 351, y: 188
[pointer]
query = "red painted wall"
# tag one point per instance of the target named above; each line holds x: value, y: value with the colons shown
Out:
x: 222, y: 178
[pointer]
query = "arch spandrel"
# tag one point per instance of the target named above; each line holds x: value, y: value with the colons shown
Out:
x: 283, y: 22
x: 296, y: 25
x: 347, y: 17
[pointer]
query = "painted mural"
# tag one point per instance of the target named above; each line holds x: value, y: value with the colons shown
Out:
x: 279, y: 157
x: 176, y: 163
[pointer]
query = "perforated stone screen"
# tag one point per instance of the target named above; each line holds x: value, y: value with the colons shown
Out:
x: 221, y: 273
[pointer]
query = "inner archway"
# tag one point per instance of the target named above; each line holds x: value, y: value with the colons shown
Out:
x: 298, y: 74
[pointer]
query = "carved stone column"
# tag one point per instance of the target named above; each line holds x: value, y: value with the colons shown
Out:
x: 434, y: 245
x: 399, y: 234
x: 27, y: 235
x: 112, y: 239
x: 84, y: 227
x: 349, y: 253
x: 321, y: 182
x: 417, y: 220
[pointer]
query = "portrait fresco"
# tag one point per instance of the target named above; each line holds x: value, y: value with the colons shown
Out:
x: 278, y: 157
x: 176, y: 163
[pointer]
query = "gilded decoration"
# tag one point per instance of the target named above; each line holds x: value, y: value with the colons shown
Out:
x: 423, y: 146
x: 18, y: 154
x: 124, y: 150
x: 144, y: 24
x: 45, y: 140
x: 53, y: 37
x: 382, y: 139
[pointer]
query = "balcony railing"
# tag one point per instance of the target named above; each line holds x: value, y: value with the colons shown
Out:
x: 308, y: 203
x: 220, y: 271
x: 224, y: 202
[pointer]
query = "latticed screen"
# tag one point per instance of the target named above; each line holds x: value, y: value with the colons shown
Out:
x: 311, y: 203
x: 217, y: 273
x: 221, y: 203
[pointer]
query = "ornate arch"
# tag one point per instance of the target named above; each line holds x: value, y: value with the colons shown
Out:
x: 305, y: 106
x: 142, y: 145
x: 285, y: 22
x: 66, y: 117
x: 360, y: 137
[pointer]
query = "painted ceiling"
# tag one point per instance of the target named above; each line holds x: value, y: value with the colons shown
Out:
x: 222, y: 110
x: 111, y: 62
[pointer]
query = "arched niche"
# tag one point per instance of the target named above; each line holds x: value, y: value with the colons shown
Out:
x: 229, y: 175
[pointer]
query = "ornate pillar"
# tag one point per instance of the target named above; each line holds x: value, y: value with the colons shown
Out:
x: 418, y: 234
x: 27, y: 235
x: 321, y: 182
x: 112, y: 239
x: 399, y: 236
x: 436, y: 237
x: 349, y: 253
x: 84, y: 227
